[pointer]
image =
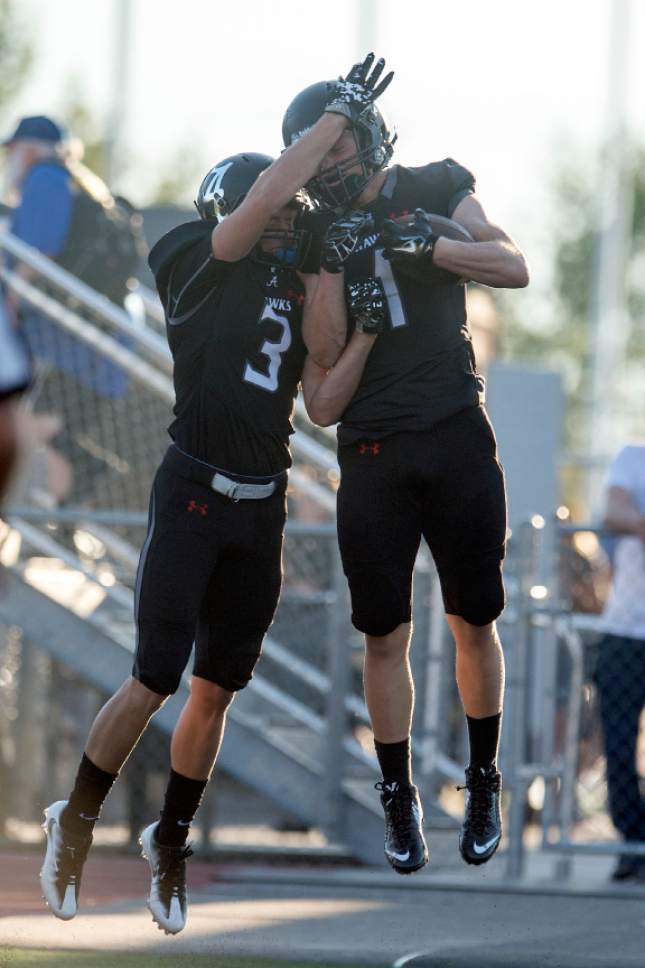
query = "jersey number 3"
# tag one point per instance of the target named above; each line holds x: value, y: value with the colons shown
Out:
x: 273, y: 351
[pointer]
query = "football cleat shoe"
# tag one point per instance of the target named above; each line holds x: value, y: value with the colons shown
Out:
x: 405, y: 846
x: 167, y: 899
x: 482, y: 828
x: 60, y: 875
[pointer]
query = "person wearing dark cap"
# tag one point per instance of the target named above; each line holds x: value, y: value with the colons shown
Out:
x: 58, y: 209
x: 39, y: 179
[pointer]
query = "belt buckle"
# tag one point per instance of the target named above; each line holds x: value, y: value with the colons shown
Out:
x: 230, y: 490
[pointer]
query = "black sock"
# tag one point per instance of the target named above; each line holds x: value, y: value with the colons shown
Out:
x: 483, y: 735
x: 91, y: 787
x: 183, y: 797
x: 395, y: 761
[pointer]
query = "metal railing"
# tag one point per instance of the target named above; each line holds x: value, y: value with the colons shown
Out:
x: 553, y: 671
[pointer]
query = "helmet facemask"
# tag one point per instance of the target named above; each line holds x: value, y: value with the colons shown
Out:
x: 287, y: 248
x: 335, y: 189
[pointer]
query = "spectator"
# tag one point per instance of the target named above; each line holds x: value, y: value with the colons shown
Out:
x: 14, y: 377
x: 620, y: 675
x: 67, y: 213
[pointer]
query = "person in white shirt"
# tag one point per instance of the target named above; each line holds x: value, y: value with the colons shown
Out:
x: 620, y: 675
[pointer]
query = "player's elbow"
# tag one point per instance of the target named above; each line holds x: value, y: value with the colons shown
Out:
x: 519, y: 276
x: 321, y: 414
x: 326, y: 357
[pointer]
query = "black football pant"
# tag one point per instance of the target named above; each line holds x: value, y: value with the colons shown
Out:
x: 444, y: 484
x: 210, y: 574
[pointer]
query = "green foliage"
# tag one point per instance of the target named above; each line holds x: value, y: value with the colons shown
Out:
x: 177, y: 181
x: 77, y: 117
x: 15, y: 54
x: 177, y: 178
x: 566, y: 343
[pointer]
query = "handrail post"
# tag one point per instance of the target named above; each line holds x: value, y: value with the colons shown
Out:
x: 339, y: 661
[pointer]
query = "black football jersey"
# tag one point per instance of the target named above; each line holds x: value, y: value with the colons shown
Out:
x: 234, y: 330
x: 421, y: 368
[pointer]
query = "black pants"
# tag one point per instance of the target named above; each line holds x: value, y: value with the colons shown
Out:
x: 209, y: 573
x: 444, y: 484
x: 620, y: 677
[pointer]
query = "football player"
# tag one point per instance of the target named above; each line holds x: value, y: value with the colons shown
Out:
x: 210, y: 567
x: 417, y: 452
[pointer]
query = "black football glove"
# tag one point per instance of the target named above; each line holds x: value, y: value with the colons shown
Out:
x: 343, y: 237
x: 367, y: 306
x: 415, y: 240
x: 351, y: 95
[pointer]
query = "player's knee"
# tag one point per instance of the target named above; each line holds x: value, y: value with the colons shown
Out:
x: 483, y: 610
x: 380, y: 602
x: 142, y: 697
x: 233, y: 668
x: 389, y: 647
x: 476, y: 597
x: 209, y: 698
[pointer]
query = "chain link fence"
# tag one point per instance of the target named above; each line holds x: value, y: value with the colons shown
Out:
x: 573, y: 750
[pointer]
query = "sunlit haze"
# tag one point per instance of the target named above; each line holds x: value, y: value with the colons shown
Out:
x: 508, y: 88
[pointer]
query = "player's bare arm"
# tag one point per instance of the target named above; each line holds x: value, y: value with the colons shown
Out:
x: 235, y: 237
x: 493, y: 259
x: 325, y: 315
x: 327, y: 392
x: 324, y: 321
x: 621, y: 513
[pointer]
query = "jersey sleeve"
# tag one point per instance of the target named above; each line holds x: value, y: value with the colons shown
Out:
x: 44, y: 215
x: 459, y: 181
x: 185, y: 269
x: 443, y: 184
x: 623, y: 470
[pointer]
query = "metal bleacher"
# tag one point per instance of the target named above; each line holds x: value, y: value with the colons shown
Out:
x: 298, y: 733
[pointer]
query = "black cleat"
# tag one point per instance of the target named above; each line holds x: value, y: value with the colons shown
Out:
x: 405, y: 846
x: 482, y: 828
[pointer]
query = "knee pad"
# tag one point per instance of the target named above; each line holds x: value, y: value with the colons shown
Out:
x: 232, y: 667
x: 381, y: 601
x: 478, y: 601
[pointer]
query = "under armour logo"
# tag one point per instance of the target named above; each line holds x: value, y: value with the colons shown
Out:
x: 194, y: 506
x: 373, y: 449
x: 273, y: 281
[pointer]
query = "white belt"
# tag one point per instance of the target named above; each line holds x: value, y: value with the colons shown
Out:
x: 237, y: 491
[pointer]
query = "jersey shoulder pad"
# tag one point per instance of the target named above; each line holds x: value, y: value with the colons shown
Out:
x: 443, y: 184
x: 165, y: 253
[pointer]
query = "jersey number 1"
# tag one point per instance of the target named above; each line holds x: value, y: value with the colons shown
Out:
x: 269, y: 381
x: 383, y: 269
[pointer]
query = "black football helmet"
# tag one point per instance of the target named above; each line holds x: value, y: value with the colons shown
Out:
x: 334, y: 189
x: 225, y: 187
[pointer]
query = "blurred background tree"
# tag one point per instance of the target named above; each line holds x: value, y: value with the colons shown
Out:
x: 567, y: 344
x: 16, y: 54
x: 174, y: 180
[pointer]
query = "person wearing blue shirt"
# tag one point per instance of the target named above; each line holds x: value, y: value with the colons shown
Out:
x: 36, y: 169
x: 72, y: 374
